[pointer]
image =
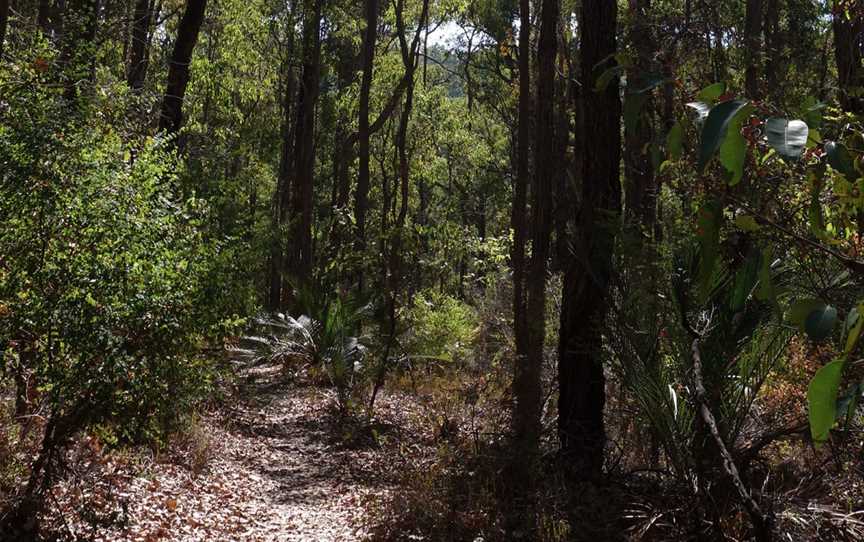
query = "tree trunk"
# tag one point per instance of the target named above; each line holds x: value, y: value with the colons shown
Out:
x: 847, y: 53
x: 300, y: 264
x: 171, y: 118
x: 76, y: 57
x: 518, y: 217
x: 752, y: 47
x: 4, y: 19
x: 282, y: 196
x: 586, y: 282
x: 139, y: 52
x: 370, y: 35
x: 527, y: 389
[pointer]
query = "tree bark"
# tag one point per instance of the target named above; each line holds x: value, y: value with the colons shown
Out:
x: 80, y: 20
x: 4, y: 20
x: 300, y: 263
x: 139, y: 51
x: 370, y: 35
x: 847, y: 53
x: 527, y: 389
x: 752, y: 47
x: 586, y: 282
x: 518, y: 216
x: 171, y: 118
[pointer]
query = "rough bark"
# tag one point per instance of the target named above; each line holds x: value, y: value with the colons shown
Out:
x: 139, y: 50
x: 171, y: 117
x: 582, y: 394
x: 300, y: 263
x: 527, y: 389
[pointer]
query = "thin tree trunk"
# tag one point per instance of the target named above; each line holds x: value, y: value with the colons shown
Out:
x: 4, y: 20
x: 582, y: 393
x: 140, y: 47
x: 361, y: 204
x: 518, y: 216
x: 171, y: 118
x: 752, y: 47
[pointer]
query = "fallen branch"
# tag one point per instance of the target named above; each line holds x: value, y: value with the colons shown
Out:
x: 761, y: 523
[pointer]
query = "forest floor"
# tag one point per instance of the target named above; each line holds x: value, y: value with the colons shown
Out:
x: 277, y: 461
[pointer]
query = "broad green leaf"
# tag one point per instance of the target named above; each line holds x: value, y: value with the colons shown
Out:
x: 674, y: 142
x: 647, y: 83
x: 840, y: 160
x: 711, y: 93
x: 633, y: 104
x: 716, y: 128
x: 814, y: 138
x: 854, y: 326
x: 822, y: 400
x: 787, y: 137
x: 606, y: 77
x: 848, y: 403
x: 820, y: 322
x: 733, y: 150
x: 766, y: 291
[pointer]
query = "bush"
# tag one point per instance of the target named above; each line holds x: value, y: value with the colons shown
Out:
x: 441, y: 326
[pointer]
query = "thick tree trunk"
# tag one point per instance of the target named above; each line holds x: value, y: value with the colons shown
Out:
x: 300, y: 264
x: 527, y: 389
x: 848, y: 40
x: 752, y: 47
x: 171, y: 118
x: 586, y: 282
x: 80, y: 20
x: 139, y: 51
x: 361, y: 204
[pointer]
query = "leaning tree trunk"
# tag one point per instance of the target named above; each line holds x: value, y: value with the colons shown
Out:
x: 582, y: 393
x: 848, y: 39
x: 171, y: 118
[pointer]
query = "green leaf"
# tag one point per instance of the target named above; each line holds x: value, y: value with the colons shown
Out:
x: 787, y: 137
x: 822, y: 400
x: 840, y: 160
x: 745, y: 280
x: 711, y: 93
x: 675, y: 142
x: 854, y: 326
x: 733, y: 150
x: 633, y: 104
x: 716, y: 128
x: 819, y: 324
x: 766, y: 291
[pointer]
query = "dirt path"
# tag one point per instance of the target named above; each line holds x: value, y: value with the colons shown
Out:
x: 277, y: 465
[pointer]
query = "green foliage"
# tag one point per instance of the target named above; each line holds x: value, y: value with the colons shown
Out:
x: 440, y: 326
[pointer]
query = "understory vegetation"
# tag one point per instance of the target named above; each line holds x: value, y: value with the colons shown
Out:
x: 431, y: 270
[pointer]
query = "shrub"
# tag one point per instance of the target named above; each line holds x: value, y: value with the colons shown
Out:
x: 441, y: 326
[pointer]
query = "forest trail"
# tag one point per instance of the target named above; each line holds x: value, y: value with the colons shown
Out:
x: 278, y: 467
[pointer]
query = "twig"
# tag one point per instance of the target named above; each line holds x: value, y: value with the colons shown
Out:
x: 761, y: 523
